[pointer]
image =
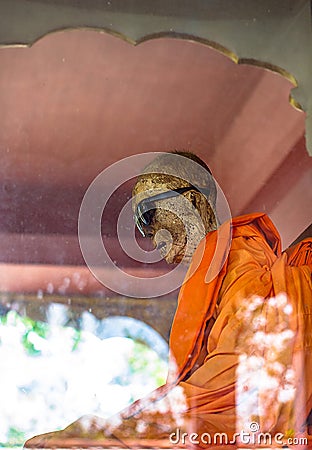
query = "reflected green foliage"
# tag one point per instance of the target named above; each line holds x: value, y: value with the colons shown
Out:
x: 15, y: 438
x: 52, y: 372
x: 76, y: 339
x: 33, y: 330
x: 141, y: 361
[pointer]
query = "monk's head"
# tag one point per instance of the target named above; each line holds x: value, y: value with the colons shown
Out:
x: 175, y: 211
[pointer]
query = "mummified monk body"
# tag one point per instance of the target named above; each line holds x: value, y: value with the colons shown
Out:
x: 240, y: 344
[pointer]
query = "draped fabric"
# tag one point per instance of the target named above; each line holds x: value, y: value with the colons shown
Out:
x: 259, y: 291
x: 240, y: 344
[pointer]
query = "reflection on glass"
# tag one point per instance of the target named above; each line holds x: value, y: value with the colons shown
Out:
x: 53, y: 373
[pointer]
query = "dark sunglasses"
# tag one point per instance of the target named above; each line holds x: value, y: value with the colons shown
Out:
x: 145, y: 210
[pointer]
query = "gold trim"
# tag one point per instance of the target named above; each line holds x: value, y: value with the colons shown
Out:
x: 293, y: 102
x: 191, y: 38
x: 176, y: 35
x: 270, y: 67
x: 101, y: 30
x: 278, y: 70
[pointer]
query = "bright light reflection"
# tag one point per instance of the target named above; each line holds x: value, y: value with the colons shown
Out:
x: 266, y: 375
x: 52, y: 374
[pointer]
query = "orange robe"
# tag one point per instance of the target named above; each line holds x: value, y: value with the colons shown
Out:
x: 236, y: 354
x: 208, y: 367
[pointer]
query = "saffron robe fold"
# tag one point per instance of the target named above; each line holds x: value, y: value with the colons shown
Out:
x: 255, y: 267
x: 240, y: 344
